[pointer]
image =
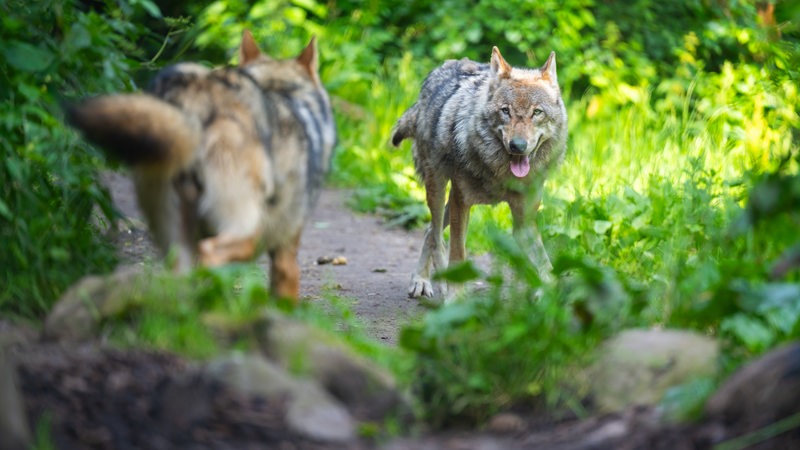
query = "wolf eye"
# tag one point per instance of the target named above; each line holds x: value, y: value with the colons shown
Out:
x: 537, y: 112
x: 505, y: 110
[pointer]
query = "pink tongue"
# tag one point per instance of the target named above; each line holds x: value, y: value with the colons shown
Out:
x: 520, y: 166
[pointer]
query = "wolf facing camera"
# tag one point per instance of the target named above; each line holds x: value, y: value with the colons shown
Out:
x: 494, y: 132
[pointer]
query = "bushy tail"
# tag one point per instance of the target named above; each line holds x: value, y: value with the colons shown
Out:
x: 405, y: 126
x: 138, y: 129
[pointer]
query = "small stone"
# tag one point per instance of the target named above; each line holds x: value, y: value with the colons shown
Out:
x: 505, y: 423
x: 339, y: 261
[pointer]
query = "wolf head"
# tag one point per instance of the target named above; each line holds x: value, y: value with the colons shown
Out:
x: 526, y: 111
x: 279, y: 74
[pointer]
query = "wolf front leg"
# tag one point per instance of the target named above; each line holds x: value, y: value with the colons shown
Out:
x: 431, y: 256
x: 524, y: 209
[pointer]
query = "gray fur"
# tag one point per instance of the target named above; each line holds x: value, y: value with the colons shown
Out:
x: 462, y: 136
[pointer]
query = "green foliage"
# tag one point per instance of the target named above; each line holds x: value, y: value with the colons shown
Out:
x: 211, y: 310
x: 754, y: 300
x: 281, y: 27
x: 686, y: 402
x: 194, y: 314
x: 48, y: 217
x: 516, y: 342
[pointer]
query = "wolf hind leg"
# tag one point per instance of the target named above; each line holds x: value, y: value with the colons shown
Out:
x: 431, y: 257
x: 284, y: 275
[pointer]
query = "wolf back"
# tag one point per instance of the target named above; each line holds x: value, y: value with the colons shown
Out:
x: 279, y: 110
x: 226, y: 162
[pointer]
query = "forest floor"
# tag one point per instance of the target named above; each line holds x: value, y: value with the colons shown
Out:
x: 106, y: 398
x: 375, y: 264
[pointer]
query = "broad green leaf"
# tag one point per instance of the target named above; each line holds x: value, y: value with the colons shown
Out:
x: 4, y: 211
x: 601, y: 226
x: 412, y: 338
x: 750, y: 331
x: 686, y: 401
x: 148, y: 6
x: 30, y: 92
x: 459, y: 273
x: 26, y: 57
x: 442, y: 321
x: 77, y: 38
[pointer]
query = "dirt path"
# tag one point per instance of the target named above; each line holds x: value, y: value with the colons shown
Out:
x: 374, y: 278
x: 379, y: 263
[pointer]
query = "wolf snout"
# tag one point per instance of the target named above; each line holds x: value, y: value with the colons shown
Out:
x: 518, y: 145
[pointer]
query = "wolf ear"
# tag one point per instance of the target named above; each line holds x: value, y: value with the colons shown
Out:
x: 499, y: 65
x: 309, y: 60
x: 549, y: 68
x: 248, y: 51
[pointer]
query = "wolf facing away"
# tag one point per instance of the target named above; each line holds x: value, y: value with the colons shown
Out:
x: 228, y: 162
x: 494, y: 132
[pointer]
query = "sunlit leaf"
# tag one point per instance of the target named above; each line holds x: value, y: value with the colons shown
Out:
x: 601, y: 226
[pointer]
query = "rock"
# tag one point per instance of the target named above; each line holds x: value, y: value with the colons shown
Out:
x: 762, y: 392
x: 187, y: 399
x: 312, y: 412
x: 368, y: 391
x: 79, y: 311
x: 638, y: 366
x: 13, y: 418
x: 16, y: 333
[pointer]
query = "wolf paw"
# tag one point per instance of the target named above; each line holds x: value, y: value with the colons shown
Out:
x: 420, y: 287
x: 208, y: 254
